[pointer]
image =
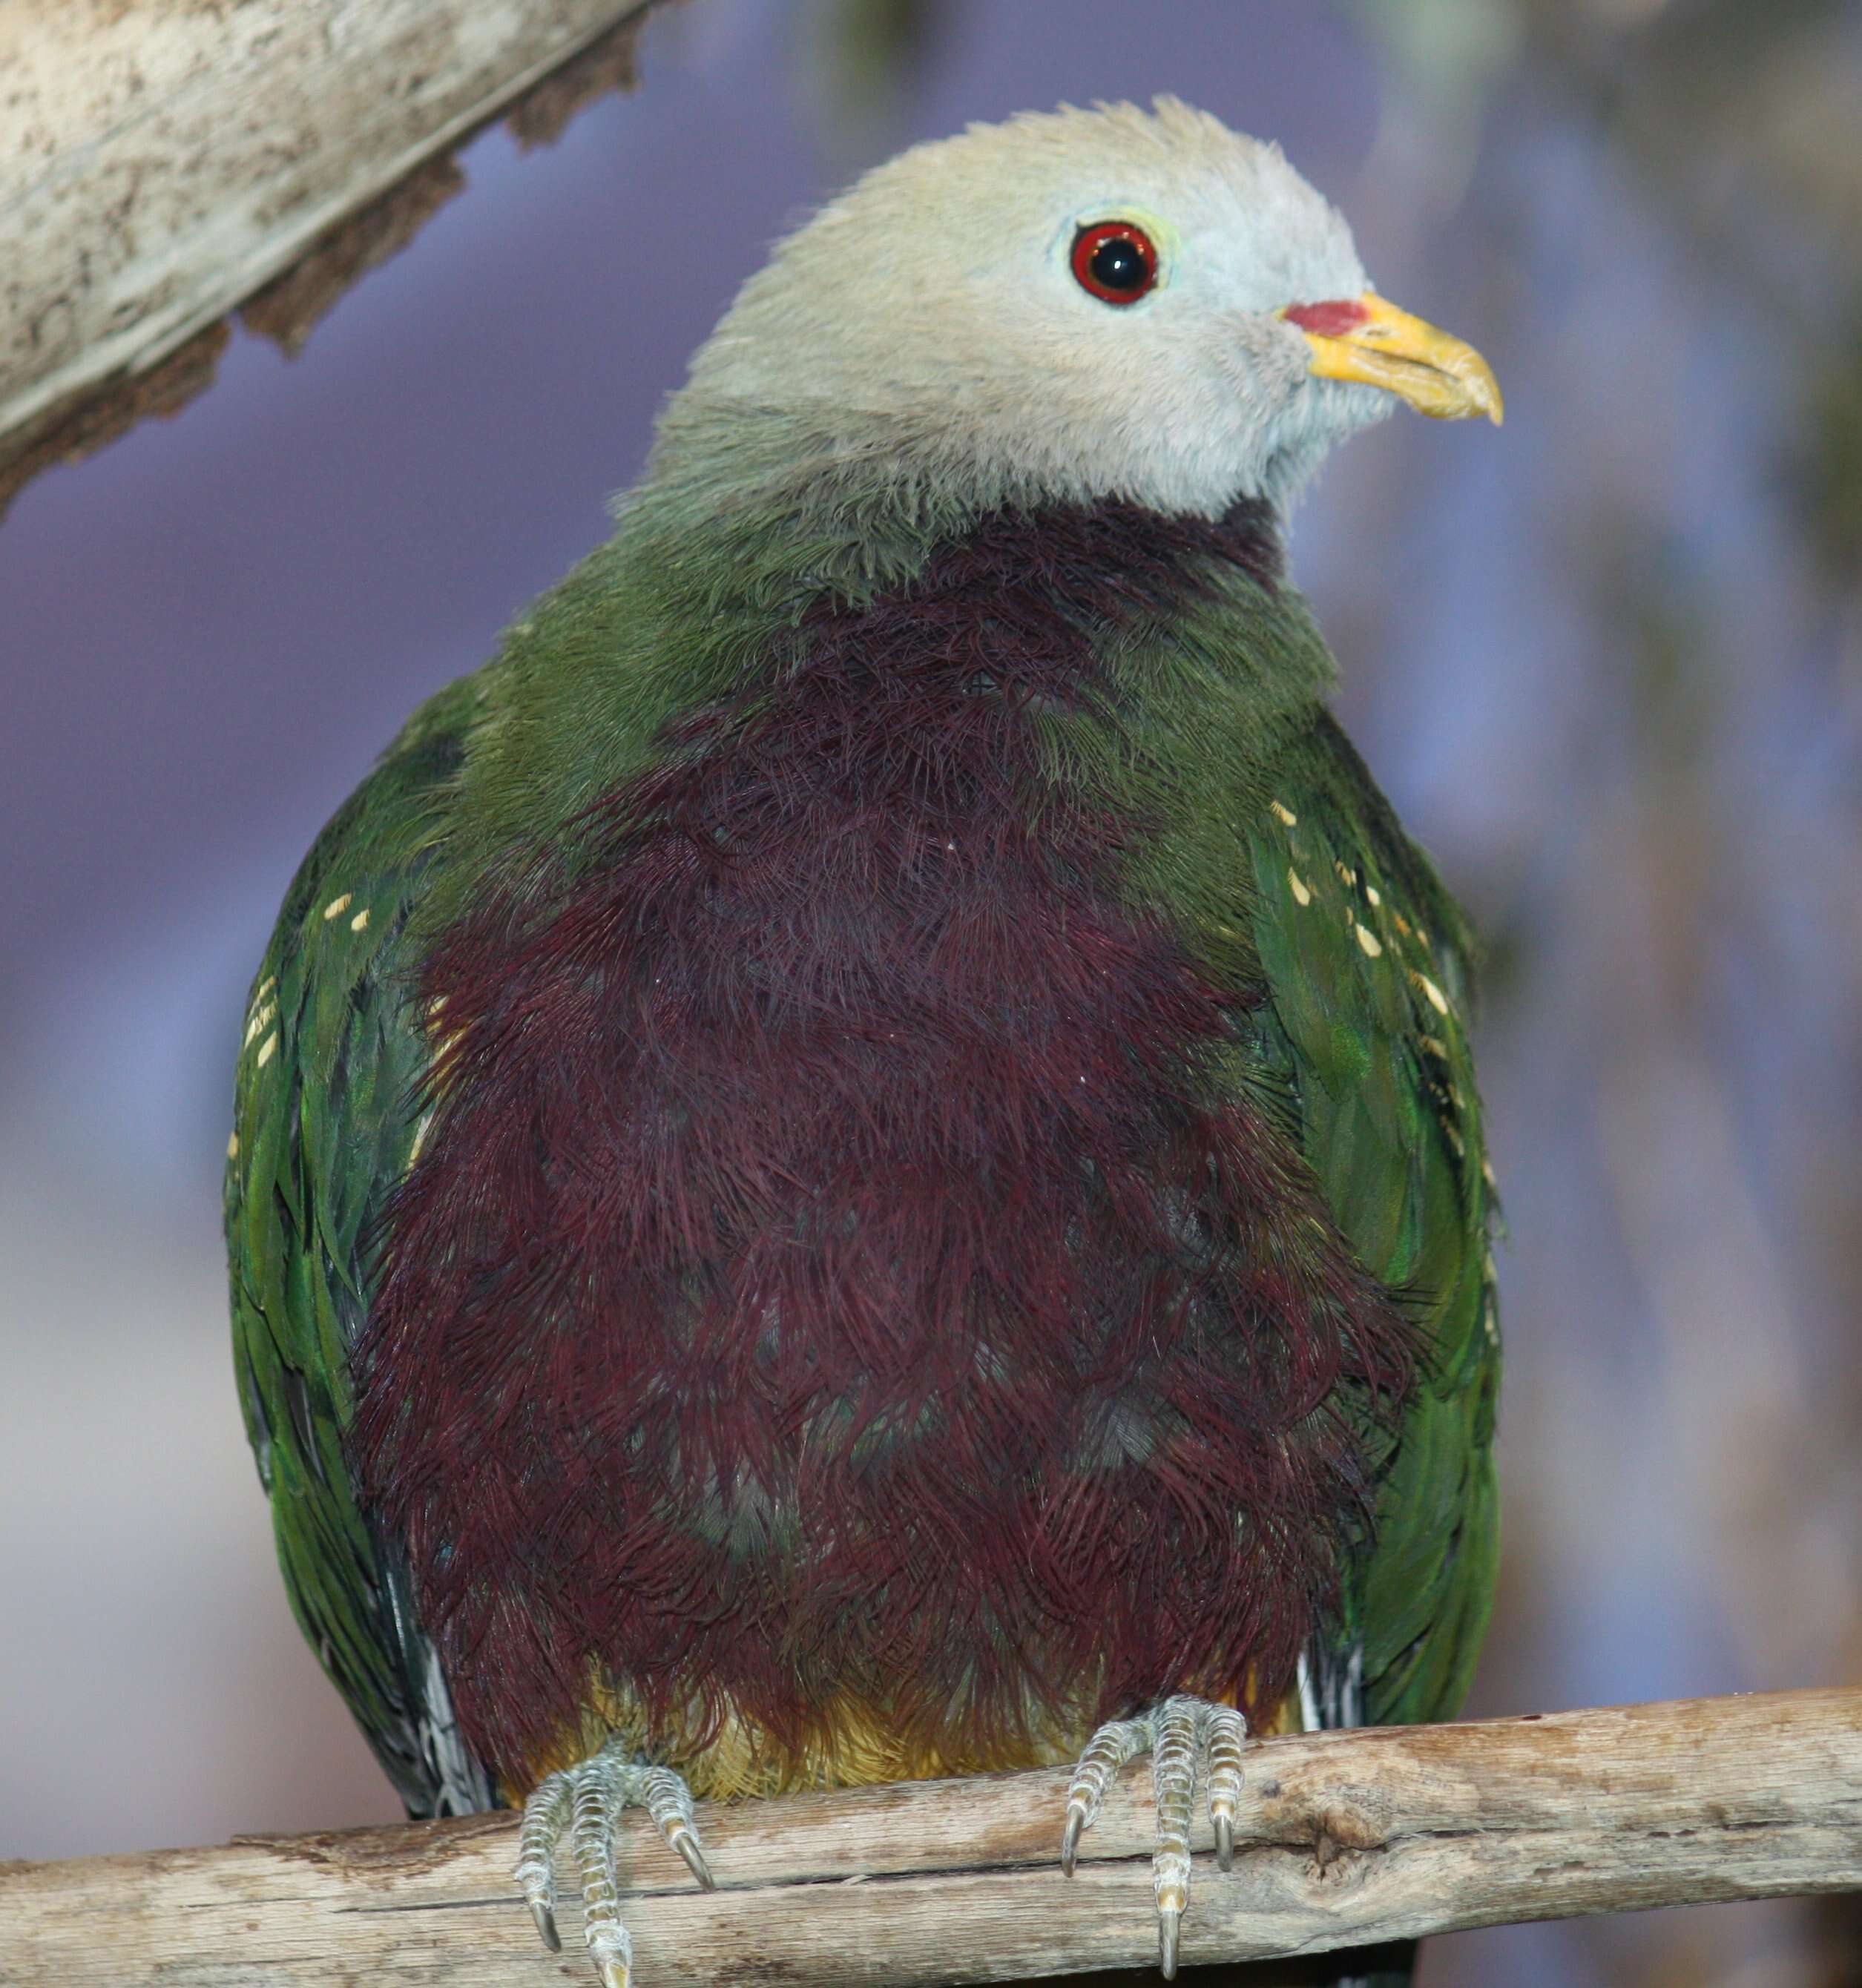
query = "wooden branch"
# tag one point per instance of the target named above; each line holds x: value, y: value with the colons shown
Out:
x: 159, y: 165
x: 1346, y: 1839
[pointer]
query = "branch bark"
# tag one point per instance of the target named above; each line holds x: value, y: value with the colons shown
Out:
x: 159, y: 165
x: 1346, y: 1839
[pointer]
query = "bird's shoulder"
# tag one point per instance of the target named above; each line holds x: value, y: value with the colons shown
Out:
x: 1368, y: 967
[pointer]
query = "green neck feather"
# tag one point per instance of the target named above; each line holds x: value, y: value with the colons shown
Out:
x: 742, y: 527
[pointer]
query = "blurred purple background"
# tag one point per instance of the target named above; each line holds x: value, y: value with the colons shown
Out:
x: 1607, y: 661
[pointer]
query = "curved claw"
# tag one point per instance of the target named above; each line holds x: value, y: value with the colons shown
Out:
x: 686, y: 1845
x: 546, y: 1925
x: 1069, y: 1840
x: 576, y: 1812
x: 1183, y: 1735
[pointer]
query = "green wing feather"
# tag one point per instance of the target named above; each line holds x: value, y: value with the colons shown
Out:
x: 1367, y: 959
x: 325, y: 1124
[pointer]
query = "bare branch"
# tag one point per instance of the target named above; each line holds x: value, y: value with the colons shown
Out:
x: 1421, y: 1830
x: 159, y: 165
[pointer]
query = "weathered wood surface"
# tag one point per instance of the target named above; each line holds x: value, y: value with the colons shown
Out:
x: 160, y: 160
x: 1348, y: 1839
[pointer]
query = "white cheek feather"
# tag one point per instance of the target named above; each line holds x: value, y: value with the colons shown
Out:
x: 931, y: 311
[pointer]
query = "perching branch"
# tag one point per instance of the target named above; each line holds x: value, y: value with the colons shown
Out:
x: 1346, y: 1839
x: 161, y: 164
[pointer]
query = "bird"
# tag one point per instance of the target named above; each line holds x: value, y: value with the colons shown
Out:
x: 860, y: 1159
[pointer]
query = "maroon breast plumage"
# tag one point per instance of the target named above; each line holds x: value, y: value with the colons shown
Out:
x: 836, y: 1274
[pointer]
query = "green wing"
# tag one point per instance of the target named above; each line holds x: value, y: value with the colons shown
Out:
x: 1367, y: 962
x: 325, y: 1124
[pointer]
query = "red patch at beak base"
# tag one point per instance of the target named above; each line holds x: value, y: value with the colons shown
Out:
x: 1334, y: 319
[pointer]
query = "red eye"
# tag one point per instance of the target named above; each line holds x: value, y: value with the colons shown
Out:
x: 1114, y: 260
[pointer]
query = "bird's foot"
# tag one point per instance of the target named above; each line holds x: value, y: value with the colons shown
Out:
x: 584, y: 1804
x: 1174, y: 1734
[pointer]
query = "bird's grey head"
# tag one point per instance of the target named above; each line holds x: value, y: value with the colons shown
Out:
x: 1077, y: 304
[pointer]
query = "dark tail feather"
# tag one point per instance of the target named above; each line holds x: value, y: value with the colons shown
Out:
x: 1391, y: 1966
x: 1332, y: 1695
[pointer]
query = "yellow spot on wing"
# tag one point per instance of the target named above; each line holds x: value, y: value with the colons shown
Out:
x: 1301, y: 895
x: 232, y: 1146
x: 1282, y: 813
x: 266, y: 1049
x: 1371, y: 944
x: 360, y: 919
x: 337, y: 906
x: 264, y: 987
x: 258, y: 1021
x: 1373, y: 893
x: 1438, y: 1000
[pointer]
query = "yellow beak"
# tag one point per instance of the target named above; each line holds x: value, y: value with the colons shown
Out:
x: 1368, y: 340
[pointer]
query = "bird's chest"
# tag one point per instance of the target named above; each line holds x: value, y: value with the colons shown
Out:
x: 911, y: 1207
x: 843, y: 1270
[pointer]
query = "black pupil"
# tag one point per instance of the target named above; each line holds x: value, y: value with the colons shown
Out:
x: 1118, y: 265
